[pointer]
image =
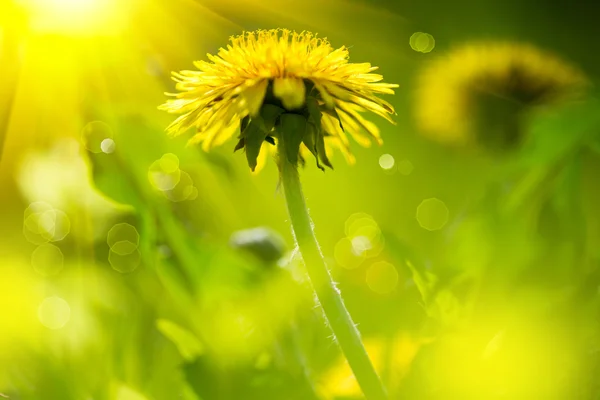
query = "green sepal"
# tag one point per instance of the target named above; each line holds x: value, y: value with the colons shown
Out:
x: 321, y: 150
x: 241, y: 142
x: 332, y: 112
x: 253, y: 137
x: 292, y: 128
x: 314, y: 111
x: 240, y: 145
x: 301, y: 160
x: 244, y: 124
x: 310, y: 140
x: 269, y: 114
x: 313, y: 139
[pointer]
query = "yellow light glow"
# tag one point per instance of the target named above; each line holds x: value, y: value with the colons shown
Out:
x: 81, y: 17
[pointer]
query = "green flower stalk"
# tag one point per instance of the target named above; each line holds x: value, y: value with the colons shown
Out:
x: 294, y: 95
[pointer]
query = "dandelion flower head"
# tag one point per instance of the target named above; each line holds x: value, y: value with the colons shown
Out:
x: 260, y: 75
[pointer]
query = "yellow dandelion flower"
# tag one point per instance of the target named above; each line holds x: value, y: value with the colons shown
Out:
x: 262, y: 75
x: 476, y: 93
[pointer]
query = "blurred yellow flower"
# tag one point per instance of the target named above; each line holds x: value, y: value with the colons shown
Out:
x: 393, y: 355
x: 477, y: 91
x: 265, y: 73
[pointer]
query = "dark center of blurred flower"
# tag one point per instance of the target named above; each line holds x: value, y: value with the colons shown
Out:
x: 497, y: 121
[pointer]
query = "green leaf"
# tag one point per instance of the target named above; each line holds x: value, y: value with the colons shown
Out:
x: 179, y: 284
x: 123, y: 392
x: 425, y: 282
x: 555, y: 137
x: 188, y: 345
x: 114, y: 181
x: 559, y: 132
x: 446, y: 307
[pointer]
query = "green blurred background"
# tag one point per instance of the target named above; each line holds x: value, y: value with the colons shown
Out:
x: 123, y: 272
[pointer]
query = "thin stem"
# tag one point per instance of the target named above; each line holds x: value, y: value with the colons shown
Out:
x: 329, y: 296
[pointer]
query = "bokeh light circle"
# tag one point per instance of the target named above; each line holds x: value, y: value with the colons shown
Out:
x: 364, y: 234
x: 405, y: 167
x: 164, y: 173
x: 382, y: 277
x: 54, y: 312
x: 432, y: 214
x: 108, y: 146
x: 345, y: 255
x: 422, y: 42
x: 194, y: 194
x: 183, y: 190
x: 387, y: 162
x: 94, y: 134
x: 37, y: 207
x: 124, y: 247
x: 352, y: 219
x: 169, y: 162
x: 123, y: 232
x: 361, y: 244
x: 47, y: 259
x: 124, y: 263
x: 42, y: 223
